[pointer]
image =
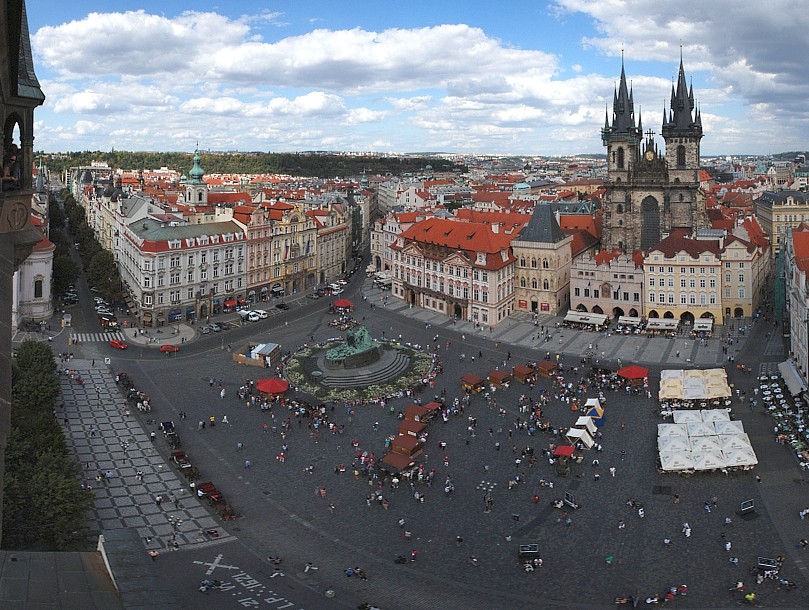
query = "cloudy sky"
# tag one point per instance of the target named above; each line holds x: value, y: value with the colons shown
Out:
x: 511, y: 77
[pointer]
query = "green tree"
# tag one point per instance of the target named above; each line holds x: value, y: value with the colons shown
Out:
x: 102, y: 273
x: 65, y: 272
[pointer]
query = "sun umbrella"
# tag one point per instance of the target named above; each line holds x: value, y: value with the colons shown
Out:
x: 633, y: 371
x: 273, y: 385
x: 343, y: 303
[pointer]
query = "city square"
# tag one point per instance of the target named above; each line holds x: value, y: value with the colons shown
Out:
x: 311, y: 507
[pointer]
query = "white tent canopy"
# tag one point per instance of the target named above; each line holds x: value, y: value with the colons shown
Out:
x: 706, y: 439
x: 676, y: 460
x: 685, y: 417
x: 728, y: 427
x: 664, y: 430
x: 703, y: 324
x: 708, y: 460
x: 700, y: 429
x: 693, y: 384
x: 586, y: 423
x: 583, y: 317
x: 629, y: 320
x: 576, y: 435
x: 673, y: 443
x: 662, y: 324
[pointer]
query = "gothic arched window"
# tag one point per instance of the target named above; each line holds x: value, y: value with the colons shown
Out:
x: 534, y: 283
x: 533, y: 263
x: 620, y: 158
x: 522, y: 262
x: 522, y: 282
x: 545, y: 285
x: 545, y: 264
x: 38, y: 289
x: 620, y: 209
x: 681, y: 156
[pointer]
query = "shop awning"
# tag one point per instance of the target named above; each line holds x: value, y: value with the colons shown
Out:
x: 230, y: 303
x: 662, y: 324
x: 582, y: 317
x: 703, y: 324
x: 795, y: 384
x: 629, y: 320
x: 343, y: 304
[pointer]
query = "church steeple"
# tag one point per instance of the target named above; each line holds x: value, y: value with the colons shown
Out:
x: 196, y: 172
x: 196, y: 191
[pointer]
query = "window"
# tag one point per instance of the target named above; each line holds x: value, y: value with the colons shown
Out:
x: 741, y: 278
x: 661, y: 282
x: 147, y: 299
x: 741, y: 265
x: 190, y: 294
x: 727, y: 278
x: 545, y: 285
x: 534, y: 283
x: 545, y: 263
x: 682, y: 299
x: 741, y: 293
x: 522, y: 282
x: 534, y: 263
x: 702, y: 299
x: 692, y: 283
x: 712, y: 283
x: 692, y: 298
x: 636, y: 297
x: 577, y: 291
x: 586, y: 292
x: 682, y: 282
x: 702, y: 282
x: 651, y: 297
x: 38, y: 289
x: 651, y: 282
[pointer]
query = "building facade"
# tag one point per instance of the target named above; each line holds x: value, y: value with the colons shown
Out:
x: 463, y: 270
x: 609, y: 282
x: 779, y: 212
x: 651, y: 193
x: 543, y: 257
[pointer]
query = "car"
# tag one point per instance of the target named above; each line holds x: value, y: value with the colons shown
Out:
x: 104, y: 312
x: 282, y: 305
x: 169, y: 349
x: 262, y: 314
x: 342, y: 282
x: 118, y: 344
x: 313, y: 295
x: 253, y: 316
x: 205, y: 330
x: 338, y: 291
x: 321, y: 292
x: 215, y: 327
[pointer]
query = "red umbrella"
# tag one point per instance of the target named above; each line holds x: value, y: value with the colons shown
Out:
x: 343, y: 303
x: 563, y: 451
x: 633, y: 371
x: 273, y: 385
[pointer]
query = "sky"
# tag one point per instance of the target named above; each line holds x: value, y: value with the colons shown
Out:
x: 515, y: 77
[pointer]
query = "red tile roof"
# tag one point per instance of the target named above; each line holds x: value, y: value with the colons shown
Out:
x: 800, y: 243
x: 677, y: 242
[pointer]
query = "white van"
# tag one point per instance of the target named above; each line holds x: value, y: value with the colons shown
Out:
x: 244, y: 315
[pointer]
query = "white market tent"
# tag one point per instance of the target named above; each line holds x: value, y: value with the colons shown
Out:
x: 673, y: 443
x: 685, y: 417
x: 592, y: 402
x: 694, y: 384
x: 728, y: 427
x: 586, y: 423
x: 700, y: 429
x: 703, y: 324
x: 577, y: 435
x: 676, y: 460
x: 706, y: 439
x: 708, y: 460
x: 671, y: 430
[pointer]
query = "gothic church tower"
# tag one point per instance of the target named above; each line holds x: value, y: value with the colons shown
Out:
x: 650, y: 193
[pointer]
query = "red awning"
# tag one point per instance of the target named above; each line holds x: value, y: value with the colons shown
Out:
x: 563, y: 451
x: 633, y: 371
x: 230, y: 303
x: 273, y: 385
x: 343, y: 303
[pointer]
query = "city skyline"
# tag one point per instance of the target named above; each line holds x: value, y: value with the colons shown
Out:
x: 455, y: 77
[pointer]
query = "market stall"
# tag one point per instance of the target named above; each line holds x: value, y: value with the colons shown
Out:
x: 547, y: 368
x: 412, y: 427
x: 498, y: 378
x: 416, y: 412
x: 594, y: 410
x: 578, y: 435
x: 584, y: 320
x: 397, y: 463
x: 405, y: 444
x: 694, y: 388
x: 586, y: 423
x: 472, y: 383
x: 523, y: 373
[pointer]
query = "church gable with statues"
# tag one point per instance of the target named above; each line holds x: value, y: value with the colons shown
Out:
x: 652, y: 192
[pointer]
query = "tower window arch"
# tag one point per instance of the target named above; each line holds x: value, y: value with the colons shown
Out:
x: 38, y: 288
x: 545, y: 264
x: 533, y: 263
x: 522, y: 262
x: 522, y: 282
x: 620, y: 208
x: 681, y: 156
x: 545, y: 285
x: 620, y: 163
x: 534, y: 283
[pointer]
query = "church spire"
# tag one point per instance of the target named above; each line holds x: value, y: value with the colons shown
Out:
x: 623, y: 111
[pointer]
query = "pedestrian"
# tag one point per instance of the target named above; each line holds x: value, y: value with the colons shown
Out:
x: 676, y: 498
x: 758, y: 479
x: 612, y: 471
x: 247, y: 463
x: 641, y: 512
x: 621, y: 524
x: 158, y: 500
x: 707, y: 507
x: 728, y: 546
x: 623, y: 454
x: 225, y: 419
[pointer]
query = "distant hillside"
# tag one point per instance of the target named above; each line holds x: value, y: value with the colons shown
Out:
x: 325, y: 165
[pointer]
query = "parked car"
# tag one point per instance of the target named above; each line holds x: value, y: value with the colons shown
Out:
x: 338, y: 291
x: 169, y: 349
x: 253, y: 316
x: 262, y: 314
x: 118, y: 344
x: 205, y: 330
x: 313, y: 295
x: 282, y: 305
x: 216, y: 327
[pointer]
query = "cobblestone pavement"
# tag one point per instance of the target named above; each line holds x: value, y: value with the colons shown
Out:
x: 586, y: 564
